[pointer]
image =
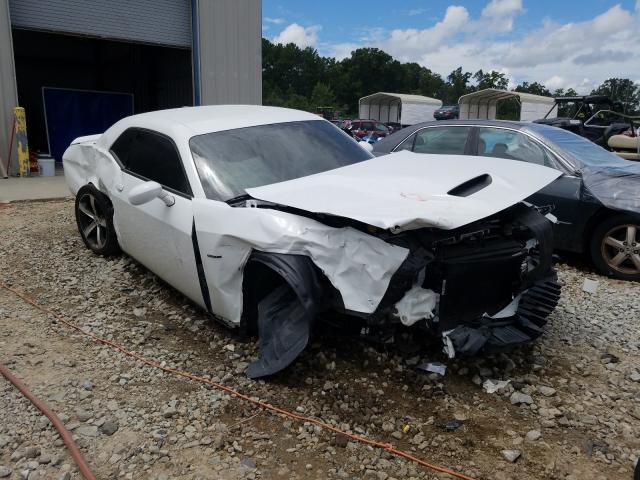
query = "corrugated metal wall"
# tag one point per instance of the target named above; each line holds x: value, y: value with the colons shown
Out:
x: 164, y: 22
x: 230, y: 51
x: 8, y: 93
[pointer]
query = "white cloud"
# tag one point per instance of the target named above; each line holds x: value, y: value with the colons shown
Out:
x: 502, y: 8
x: 578, y: 55
x: 555, y: 82
x: 275, y: 21
x: 405, y: 43
x: 497, y: 17
x: 340, y: 51
x: 301, y: 36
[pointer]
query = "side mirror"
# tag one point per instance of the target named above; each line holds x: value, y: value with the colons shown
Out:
x: 147, y: 191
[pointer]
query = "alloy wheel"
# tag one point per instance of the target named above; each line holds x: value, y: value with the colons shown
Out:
x: 621, y: 249
x: 92, y: 221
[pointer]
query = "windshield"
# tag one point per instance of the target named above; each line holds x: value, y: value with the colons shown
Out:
x: 578, y: 150
x: 231, y: 161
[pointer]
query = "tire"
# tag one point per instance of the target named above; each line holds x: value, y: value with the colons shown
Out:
x: 94, y: 217
x: 615, y: 247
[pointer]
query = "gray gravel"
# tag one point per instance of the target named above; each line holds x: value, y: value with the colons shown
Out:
x: 570, y: 411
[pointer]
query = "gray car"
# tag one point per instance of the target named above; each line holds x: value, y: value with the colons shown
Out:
x: 596, y: 199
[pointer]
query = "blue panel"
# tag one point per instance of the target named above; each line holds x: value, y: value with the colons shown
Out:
x: 70, y: 114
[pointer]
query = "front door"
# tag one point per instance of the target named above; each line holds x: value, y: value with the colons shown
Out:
x: 156, y: 235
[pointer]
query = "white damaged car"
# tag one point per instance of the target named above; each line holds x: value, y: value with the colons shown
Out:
x: 271, y: 219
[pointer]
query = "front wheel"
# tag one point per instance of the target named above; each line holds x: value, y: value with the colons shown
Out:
x: 94, y: 218
x: 615, y: 247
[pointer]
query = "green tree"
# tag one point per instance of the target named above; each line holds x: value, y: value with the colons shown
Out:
x: 490, y: 79
x: 621, y: 90
x: 322, y: 96
x: 534, y: 88
x: 458, y: 85
x: 561, y: 92
x: 432, y: 85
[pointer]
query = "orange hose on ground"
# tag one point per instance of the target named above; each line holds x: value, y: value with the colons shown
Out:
x: 267, y: 406
x: 64, y: 433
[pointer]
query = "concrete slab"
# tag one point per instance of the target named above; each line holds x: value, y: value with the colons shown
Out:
x: 15, y: 189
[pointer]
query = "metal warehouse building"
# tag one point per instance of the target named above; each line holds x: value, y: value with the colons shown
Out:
x: 77, y: 66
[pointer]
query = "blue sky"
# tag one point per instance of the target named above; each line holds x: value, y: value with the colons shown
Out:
x: 562, y: 43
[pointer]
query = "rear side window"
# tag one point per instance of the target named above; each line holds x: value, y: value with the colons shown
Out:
x: 501, y: 143
x: 444, y: 140
x: 151, y: 156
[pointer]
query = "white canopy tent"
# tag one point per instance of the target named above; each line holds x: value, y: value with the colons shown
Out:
x: 482, y: 104
x: 398, y: 107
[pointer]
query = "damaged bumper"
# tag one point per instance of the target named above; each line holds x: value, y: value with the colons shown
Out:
x: 530, y: 312
x: 489, y: 284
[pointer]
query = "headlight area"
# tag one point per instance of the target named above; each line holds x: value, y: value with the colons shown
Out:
x: 487, y: 284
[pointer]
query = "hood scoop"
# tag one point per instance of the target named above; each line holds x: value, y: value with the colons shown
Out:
x: 472, y: 186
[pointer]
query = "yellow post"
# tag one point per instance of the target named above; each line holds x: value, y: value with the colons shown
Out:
x: 21, y: 141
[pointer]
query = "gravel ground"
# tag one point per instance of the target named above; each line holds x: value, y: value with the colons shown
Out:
x: 570, y: 411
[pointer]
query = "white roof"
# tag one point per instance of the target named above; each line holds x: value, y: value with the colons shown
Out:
x: 403, y: 97
x: 190, y: 121
x: 495, y: 95
x: 483, y: 104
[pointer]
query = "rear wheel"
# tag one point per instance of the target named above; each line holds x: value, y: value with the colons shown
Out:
x: 615, y: 247
x: 94, y: 215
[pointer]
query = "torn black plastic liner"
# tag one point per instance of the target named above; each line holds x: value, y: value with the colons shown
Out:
x: 287, y: 313
x: 539, y: 295
x: 284, y: 326
x: 527, y: 323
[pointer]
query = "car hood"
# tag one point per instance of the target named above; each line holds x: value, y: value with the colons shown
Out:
x: 404, y: 190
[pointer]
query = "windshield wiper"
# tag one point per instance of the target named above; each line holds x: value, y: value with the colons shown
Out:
x: 239, y: 198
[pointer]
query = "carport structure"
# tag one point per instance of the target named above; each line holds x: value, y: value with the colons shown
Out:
x: 400, y: 108
x: 482, y: 105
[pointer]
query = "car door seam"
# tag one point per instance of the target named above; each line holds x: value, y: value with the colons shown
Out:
x: 202, y: 279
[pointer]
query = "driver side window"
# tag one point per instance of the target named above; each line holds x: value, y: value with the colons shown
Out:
x: 151, y: 156
x: 501, y: 143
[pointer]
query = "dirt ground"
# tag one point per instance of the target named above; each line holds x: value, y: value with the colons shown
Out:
x: 571, y: 409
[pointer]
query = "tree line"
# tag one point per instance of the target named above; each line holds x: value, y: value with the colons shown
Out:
x: 300, y: 78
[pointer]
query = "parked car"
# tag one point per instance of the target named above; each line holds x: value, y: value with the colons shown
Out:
x: 268, y: 217
x: 596, y: 199
x: 368, y: 128
x: 448, y: 112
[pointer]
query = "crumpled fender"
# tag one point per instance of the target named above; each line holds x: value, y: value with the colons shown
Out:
x: 85, y: 162
x: 357, y: 264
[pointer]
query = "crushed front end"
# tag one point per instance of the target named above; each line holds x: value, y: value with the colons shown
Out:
x: 487, y: 284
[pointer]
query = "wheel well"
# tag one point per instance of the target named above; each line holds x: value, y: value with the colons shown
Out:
x: 101, y: 193
x: 266, y: 271
x: 593, y: 222
x: 258, y: 280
